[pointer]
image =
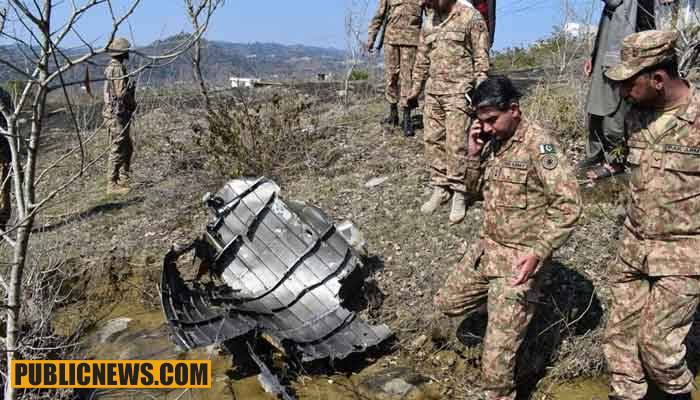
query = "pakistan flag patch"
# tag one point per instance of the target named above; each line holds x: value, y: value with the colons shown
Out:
x: 547, y: 149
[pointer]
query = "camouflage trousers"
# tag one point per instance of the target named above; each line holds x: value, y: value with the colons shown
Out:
x: 648, y: 323
x: 121, y: 149
x: 445, y: 136
x: 398, y: 69
x: 510, y: 310
x: 5, y: 198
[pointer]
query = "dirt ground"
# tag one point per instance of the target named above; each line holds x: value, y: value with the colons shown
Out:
x: 114, y: 245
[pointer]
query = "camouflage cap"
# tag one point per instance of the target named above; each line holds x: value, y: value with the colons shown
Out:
x: 119, y: 46
x: 642, y: 50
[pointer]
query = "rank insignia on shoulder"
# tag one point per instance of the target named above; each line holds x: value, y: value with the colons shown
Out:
x: 549, y: 161
x: 547, y: 149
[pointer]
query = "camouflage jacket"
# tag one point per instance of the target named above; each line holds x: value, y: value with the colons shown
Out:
x: 403, y: 22
x: 453, y: 53
x: 531, y: 196
x: 119, y: 92
x: 664, y: 210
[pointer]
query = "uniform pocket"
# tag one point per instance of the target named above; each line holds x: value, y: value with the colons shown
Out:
x: 512, y: 187
x: 682, y: 162
x: 452, y: 45
x: 636, y: 149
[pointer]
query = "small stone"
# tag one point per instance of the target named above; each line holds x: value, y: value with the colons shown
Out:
x: 397, y: 386
x: 419, y: 342
x: 112, y: 328
x: 374, y: 182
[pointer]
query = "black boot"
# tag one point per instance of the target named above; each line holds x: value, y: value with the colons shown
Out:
x: 393, y: 118
x: 407, y: 123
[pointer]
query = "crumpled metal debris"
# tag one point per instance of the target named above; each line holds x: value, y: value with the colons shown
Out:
x: 281, y: 268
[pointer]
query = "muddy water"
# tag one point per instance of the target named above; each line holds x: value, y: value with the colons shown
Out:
x: 146, y: 337
x: 581, y: 389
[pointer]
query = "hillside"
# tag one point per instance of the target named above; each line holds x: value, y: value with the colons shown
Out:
x: 220, y: 61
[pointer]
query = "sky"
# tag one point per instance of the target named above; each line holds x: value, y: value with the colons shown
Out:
x: 309, y: 22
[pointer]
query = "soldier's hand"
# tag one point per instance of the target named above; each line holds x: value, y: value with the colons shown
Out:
x: 370, y: 47
x: 413, y: 97
x: 525, y: 268
x: 476, y: 144
x: 588, y: 67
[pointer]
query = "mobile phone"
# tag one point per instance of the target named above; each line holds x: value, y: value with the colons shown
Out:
x: 484, y: 137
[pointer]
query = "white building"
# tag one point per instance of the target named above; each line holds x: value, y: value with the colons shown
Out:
x: 237, y: 82
x: 579, y: 30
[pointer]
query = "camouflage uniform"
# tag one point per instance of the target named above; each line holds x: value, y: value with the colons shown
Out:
x: 403, y: 23
x: 656, y: 277
x: 453, y: 56
x: 119, y: 107
x: 531, y: 205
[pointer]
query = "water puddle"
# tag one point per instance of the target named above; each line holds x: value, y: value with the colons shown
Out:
x: 581, y: 389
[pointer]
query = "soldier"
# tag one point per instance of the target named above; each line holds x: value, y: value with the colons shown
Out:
x: 453, y: 57
x: 119, y: 107
x: 531, y: 205
x: 655, y: 279
x: 402, y: 20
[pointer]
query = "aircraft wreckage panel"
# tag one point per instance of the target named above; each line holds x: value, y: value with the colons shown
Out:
x: 279, y: 268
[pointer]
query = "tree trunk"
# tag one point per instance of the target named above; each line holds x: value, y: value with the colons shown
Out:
x: 14, y: 299
x: 197, y: 68
x: 27, y: 197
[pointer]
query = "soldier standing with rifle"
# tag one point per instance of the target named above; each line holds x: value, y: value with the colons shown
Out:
x: 119, y: 107
x: 453, y: 57
x: 402, y: 20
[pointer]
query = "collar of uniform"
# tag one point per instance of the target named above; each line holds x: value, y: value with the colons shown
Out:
x: 690, y: 111
x: 456, y: 10
x: 523, y: 127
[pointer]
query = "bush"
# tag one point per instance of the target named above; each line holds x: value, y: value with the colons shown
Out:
x: 248, y: 139
x: 359, y: 75
x: 560, y: 107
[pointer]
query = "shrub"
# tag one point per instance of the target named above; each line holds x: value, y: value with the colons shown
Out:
x: 249, y: 139
x: 560, y: 107
x: 359, y: 75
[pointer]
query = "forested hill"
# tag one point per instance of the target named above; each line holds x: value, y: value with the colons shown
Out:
x: 220, y: 60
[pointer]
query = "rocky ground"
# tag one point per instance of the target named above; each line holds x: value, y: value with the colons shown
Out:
x: 112, y: 247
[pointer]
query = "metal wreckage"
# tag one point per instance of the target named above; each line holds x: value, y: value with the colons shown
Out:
x: 281, y: 268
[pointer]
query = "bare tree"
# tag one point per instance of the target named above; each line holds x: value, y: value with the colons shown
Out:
x: 355, y: 26
x: 683, y: 16
x: 37, y: 30
x: 575, y: 34
x: 199, y: 12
